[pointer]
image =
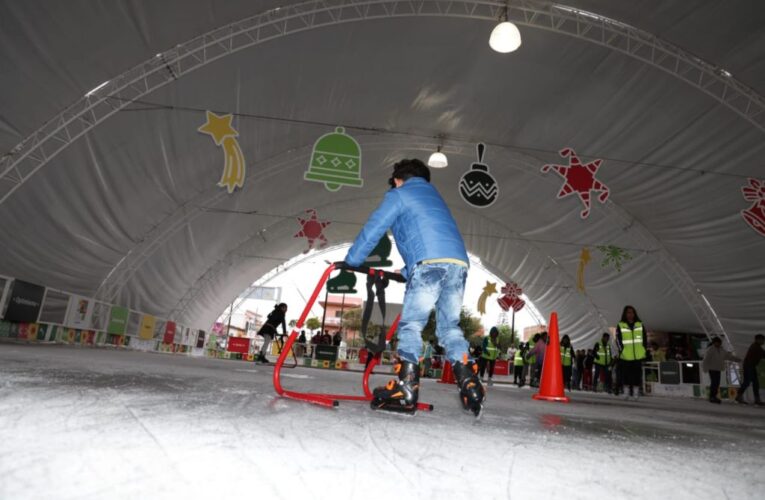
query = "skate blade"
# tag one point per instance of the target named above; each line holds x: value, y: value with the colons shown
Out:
x: 404, y: 411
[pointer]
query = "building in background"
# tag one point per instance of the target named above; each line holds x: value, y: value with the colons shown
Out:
x: 530, y: 331
x: 336, y: 306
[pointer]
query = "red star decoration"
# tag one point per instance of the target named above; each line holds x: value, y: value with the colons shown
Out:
x: 580, y: 179
x: 312, y: 229
x: 755, y: 215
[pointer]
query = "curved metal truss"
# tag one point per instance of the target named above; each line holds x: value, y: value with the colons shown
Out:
x: 40, y: 147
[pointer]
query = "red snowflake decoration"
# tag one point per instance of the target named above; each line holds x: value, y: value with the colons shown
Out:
x: 312, y: 229
x: 511, y: 290
x: 580, y: 179
x: 755, y: 215
x: 511, y: 298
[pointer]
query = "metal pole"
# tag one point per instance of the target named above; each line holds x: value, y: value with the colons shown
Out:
x: 324, y: 315
x: 512, y: 328
x: 228, y: 328
x: 342, y: 308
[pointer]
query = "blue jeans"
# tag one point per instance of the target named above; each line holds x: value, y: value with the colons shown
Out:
x: 440, y: 286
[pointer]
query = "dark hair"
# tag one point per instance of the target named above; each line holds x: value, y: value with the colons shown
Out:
x: 279, y: 306
x: 716, y: 339
x: 406, y: 169
x: 606, y: 334
x: 759, y: 336
x: 493, y: 331
x: 624, y: 314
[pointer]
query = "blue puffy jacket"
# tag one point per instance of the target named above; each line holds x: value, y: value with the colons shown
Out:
x: 422, y: 226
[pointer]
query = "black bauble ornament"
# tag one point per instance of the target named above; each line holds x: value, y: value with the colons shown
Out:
x: 477, y: 186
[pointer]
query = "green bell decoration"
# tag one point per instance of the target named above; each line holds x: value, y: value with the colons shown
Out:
x: 336, y: 161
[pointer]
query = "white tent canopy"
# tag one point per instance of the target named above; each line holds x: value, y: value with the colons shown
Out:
x: 116, y: 195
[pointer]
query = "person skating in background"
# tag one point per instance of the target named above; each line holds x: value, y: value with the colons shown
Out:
x: 315, y: 340
x: 489, y: 353
x: 518, y: 364
x: 714, y: 363
x: 589, y: 363
x: 603, y: 361
x: 300, y: 348
x: 268, y: 330
x: 566, y: 359
x: 579, y: 369
x: 632, y: 342
x: 325, y: 338
x: 753, y: 357
x: 531, y: 359
x: 538, y: 351
x: 436, y: 267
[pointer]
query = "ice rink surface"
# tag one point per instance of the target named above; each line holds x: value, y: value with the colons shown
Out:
x: 101, y: 423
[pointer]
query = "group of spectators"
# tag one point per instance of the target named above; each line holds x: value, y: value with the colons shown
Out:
x: 618, y: 368
x: 318, y: 338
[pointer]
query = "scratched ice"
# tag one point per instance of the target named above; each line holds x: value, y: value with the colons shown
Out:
x: 95, y: 423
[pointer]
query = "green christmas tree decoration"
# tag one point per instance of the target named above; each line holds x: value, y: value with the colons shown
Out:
x: 380, y: 254
x: 614, y: 256
x: 336, y: 161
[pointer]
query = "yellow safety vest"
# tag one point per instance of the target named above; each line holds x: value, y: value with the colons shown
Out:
x: 491, y: 351
x: 518, y: 361
x: 565, y: 355
x: 632, y: 341
x: 603, y: 356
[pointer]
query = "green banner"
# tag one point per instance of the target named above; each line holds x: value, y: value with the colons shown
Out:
x: 118, y: 320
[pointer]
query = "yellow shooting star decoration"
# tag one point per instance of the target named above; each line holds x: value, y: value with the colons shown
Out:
x: 488, y: 290
x: 220, y: 129
x: 584, y: 259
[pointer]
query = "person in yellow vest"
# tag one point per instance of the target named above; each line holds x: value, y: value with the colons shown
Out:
x: 518, y: 364
x: 489, y: 353
x: 632, y: 340
x: 603, y: 361
x: 566, y: 359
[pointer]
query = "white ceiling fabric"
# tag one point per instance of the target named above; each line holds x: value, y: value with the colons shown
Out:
x: 141, y: 187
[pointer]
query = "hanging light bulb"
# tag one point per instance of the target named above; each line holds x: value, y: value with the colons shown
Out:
x: 438, y: 159
x: 505, y: 36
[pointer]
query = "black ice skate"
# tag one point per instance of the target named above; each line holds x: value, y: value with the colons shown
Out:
x: 399, y: 395
x: 472, y: 392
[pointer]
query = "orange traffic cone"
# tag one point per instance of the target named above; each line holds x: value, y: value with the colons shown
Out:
x: 447, y: 375
x: 551, y: 385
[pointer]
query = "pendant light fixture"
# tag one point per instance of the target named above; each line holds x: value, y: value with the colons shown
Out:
x: 505, y: 36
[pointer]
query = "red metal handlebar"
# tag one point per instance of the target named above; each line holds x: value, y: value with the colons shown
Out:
x: 330, y: 400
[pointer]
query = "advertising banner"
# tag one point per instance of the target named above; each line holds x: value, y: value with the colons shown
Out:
x: 118, y: 320
x: 25, y: 302
x: 169, y: 332
x: 146, y: 331
x: 239, y: 344
x: 79, y: 312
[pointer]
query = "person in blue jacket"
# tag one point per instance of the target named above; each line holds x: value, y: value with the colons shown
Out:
x: 436, y: 267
